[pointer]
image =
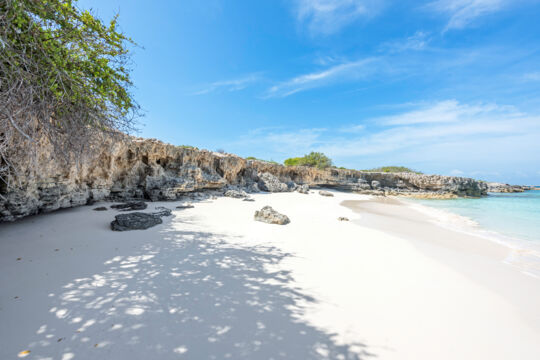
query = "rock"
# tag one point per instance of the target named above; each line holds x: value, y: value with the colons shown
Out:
x: 375, y: 184
x: 303, y: 189
x: 342, y: 218
x: 188, y: 206
x: 126, y: 168
x: 162, y: 211
x: 326, y: 193
x: 130, y: 206
x: 248, y: 199
x: 270, y: 183
x: 270, y: 216
x: 135, y: 221
x: 505, y: 188
x: 101, y: 208
x: 237, y: 194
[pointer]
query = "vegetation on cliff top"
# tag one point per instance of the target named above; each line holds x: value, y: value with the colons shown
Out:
x: 393, y: 169
x: 64, y: 78
x: 313, y: 159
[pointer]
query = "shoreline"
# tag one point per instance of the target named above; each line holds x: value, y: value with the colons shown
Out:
x: 210, y: 282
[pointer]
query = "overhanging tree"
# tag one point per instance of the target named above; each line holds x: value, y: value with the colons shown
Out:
x: 64, y: 79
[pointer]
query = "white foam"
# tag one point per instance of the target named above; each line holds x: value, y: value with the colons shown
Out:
x: 523, y: 254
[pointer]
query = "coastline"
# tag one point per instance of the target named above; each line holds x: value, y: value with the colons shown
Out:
x: 210, y: 281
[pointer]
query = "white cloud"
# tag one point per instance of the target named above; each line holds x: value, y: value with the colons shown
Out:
x: 445, y: 134
x: 329, y: 16
x: 418, y: 41
x: 447, y: 111
x: 462, y: 12
x: 300, y: 83
x: 228, y: 85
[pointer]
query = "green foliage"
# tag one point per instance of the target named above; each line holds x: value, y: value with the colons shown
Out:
x: 313, y: 159
x: 394, y: 169
x: 80, y: 59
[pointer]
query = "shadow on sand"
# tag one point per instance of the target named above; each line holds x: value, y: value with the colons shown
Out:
x: 193, y: 296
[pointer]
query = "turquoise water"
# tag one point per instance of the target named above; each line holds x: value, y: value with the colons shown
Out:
x: 516, y: 215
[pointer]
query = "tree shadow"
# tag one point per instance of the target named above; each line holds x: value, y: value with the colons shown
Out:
x: 189, y: 295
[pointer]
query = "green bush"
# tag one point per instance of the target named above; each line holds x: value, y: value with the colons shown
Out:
x: 394, y: 169
x: 313, y: 159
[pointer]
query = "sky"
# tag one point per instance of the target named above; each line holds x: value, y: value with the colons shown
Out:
x: 449, y: 87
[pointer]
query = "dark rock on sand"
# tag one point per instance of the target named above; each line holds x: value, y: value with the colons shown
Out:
x: 237, y: 194
x: 135, y: 221
x: 130, y: 206
x: 181, y: 207
x: 326, y: 193
x: 343, y: 218
x: 271, y: 216
x: 162, y: 211
x: 101, y: 208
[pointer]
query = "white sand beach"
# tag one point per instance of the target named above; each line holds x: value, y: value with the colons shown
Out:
x: 212, y: 283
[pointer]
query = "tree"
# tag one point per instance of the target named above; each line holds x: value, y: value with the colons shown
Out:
x: 313, y: 159
x: 63, y: 79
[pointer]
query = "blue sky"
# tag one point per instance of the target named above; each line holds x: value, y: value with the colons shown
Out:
x: 442, y: 86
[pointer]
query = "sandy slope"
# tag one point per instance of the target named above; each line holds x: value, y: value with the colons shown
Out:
x: 211, y: 283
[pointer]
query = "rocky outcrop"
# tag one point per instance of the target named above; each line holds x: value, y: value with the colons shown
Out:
x: 152, y: 170
x: 326, y: 193
x: 271, y: 216
x: 505, y: 188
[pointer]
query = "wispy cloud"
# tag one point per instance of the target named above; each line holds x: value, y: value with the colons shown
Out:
x: 445, y: 134
x: 228, y: 85
x: 329, y: 16
x: 418, y: 41
x: 448, y: 111
x: 300, y: 83
x: 463, y: 12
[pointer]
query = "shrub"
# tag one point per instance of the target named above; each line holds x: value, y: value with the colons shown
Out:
x: 64, y: 80
x: 394, y: 169
x: 313, y: 159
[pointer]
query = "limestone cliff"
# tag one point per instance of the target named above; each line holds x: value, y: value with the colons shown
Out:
x: 506, y: 188
x: 147, y: 168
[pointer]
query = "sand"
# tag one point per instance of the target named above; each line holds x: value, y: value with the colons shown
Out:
x: 212, y: 283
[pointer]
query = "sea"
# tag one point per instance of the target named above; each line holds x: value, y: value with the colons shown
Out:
x: 512, y: 219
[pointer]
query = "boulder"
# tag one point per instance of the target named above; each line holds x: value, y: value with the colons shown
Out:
x: 270, y: 183
x: 188, y: 206
x: 237, y: 194
x: 326, y: 193
x: 303, y: 189
x: 271, y: 216
x: 162, y: 211
x: 130, y: 206
x: 101, y: 208
x: 135, y: 221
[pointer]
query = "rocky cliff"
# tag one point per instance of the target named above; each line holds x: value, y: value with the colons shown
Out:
x: 150, y: 169
x: 506, y: 188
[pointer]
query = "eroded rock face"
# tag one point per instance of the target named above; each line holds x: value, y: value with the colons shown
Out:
x: 505, y: 188
x: 271, y: 183
x: 271, y: 216
x: 150, y: 169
